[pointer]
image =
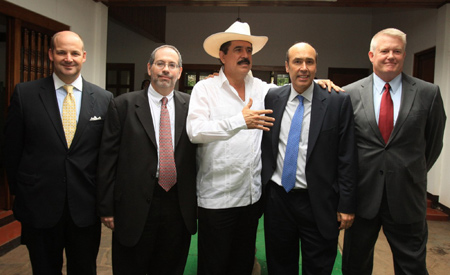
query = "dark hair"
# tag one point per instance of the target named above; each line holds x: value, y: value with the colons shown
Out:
x: 224, y: 47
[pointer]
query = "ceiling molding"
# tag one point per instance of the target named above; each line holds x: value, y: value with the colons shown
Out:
x: 246, y: 3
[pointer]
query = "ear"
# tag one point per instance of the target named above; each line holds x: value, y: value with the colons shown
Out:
x: 222, y: 57
x: 286, y: 64
x: 179, y: 73
x: 148, y: 69
x: 50, y: 54
x: 371, y: 56
x: 84, y: 56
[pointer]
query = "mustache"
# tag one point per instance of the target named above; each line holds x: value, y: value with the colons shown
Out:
x: 164, y: 73
x: 244, y: 60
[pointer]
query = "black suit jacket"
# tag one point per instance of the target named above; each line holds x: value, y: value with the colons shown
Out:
x: 128, y: 165
x: 400, y: 167
x: 331, y: 161
x: 42, y: 172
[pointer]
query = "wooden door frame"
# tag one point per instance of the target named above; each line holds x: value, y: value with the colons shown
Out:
x: 16, y: 19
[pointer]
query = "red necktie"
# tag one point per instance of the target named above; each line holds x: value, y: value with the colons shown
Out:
x: 167, y: 169
x: 386, y: 119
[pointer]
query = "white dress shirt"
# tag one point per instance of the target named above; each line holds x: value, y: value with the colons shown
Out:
x: 288, y: 114
x: 229, y: 154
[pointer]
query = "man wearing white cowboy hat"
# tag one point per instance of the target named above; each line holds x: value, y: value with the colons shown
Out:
x: 226, y: 116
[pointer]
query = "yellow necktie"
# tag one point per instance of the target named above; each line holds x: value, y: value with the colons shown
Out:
x: 69, y: 115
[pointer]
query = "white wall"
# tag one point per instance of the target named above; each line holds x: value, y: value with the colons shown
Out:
x: 439, y: 175
x: 418, y: 24
x: 85, y: 17
x: 330, y: 31
x: 340, y: 35
x: 125, y: 46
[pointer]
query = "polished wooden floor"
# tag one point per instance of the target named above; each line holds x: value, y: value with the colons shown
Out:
x: 16, y: 262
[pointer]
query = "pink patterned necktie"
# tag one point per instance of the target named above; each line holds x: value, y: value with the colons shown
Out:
x: 167, y: 169
x: 386, y: 118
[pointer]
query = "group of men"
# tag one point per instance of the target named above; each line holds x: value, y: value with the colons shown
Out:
x: 154, y: 162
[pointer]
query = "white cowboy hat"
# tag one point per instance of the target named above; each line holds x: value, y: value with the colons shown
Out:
x: 237, y: 31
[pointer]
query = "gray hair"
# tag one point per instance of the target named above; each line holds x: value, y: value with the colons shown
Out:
x: 152, y: 56
x: 391, y: 32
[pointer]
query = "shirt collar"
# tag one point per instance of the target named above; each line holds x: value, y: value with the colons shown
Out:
x: 394, y: 83
x: 308, y: 93
x: 156, y: 97
x: 77, y: 84
x: 223, y: 78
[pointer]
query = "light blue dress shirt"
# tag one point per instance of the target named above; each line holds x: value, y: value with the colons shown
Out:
x: 61, y: 93
x: 396, y: 94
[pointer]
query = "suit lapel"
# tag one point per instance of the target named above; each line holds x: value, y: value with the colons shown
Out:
x: 318, y: 109
x: 47, y: 94
x: 409, y: 91
x: 181, y: 109
x: 144, y: 115
x: 369, y: 110
x: 279, y: 105
x: 86, y: 112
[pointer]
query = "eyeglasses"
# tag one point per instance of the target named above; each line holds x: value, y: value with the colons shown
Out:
x: 161, y: 65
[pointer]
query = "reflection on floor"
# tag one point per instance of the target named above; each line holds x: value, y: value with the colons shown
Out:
x: 438, y: 254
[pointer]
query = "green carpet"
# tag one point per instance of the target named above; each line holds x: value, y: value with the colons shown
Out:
x: 191, y: 265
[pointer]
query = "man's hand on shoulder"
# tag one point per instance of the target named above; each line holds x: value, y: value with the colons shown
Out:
x: 256, y: 119
x: 324, y: 83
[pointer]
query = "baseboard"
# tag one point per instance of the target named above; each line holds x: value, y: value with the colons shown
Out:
x: 437, y: 205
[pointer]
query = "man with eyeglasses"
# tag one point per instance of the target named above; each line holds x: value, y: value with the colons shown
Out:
x: 147, y: 173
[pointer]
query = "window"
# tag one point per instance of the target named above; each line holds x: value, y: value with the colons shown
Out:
x: 119, y: 78
x: 193, y: 73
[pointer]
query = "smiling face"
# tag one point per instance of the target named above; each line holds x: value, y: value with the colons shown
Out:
x: 67, y: 55
x: 301, y: 66
x: 163, y: 80
x: 388, y: 56
x: 238, y: 59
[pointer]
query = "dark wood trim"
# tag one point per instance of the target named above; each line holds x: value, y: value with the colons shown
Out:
x: 436, y: 204
x: 33, y: 19
x: 420, y: 71
x: 254, y: 3
x: 9, y: 246
x: 203, y: 67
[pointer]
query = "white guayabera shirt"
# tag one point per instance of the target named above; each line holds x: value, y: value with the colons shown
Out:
x: 229, y: 154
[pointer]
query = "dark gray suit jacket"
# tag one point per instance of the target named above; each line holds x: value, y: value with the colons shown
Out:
x: 128, y: 165
x: 402, y: 164
x: 42, y: 172
x: 331, y: 160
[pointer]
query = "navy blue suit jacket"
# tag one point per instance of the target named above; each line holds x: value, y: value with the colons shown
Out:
x: 331, y: 161
x: 42, y: 172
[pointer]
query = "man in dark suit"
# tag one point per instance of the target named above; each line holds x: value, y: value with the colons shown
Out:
x: 394, y: 159
x: 52, y: 172
x: 309, y: 178
x: 152, y: 219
